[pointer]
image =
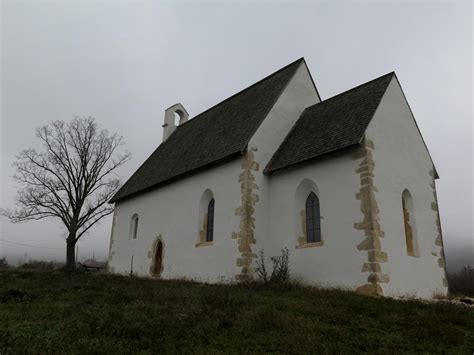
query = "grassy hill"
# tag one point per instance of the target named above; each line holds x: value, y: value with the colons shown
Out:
x: 52, y: 312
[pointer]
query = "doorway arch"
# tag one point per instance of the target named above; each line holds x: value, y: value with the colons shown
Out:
x: 156, y: 266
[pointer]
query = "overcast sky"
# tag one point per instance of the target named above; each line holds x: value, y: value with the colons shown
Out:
x: 125, y: 62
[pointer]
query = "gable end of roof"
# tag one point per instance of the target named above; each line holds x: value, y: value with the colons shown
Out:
x: 330, y: 125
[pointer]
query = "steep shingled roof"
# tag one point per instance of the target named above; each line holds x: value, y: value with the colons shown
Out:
x: 211, y: 137
x: 336, y: 123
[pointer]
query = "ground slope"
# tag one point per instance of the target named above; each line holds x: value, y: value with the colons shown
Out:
x: 49, y: 312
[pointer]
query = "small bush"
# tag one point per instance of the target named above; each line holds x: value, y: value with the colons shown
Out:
x: 261, y: 268
x: 281, y: 268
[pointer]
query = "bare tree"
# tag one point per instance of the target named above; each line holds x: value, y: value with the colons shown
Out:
x: 72, y: 178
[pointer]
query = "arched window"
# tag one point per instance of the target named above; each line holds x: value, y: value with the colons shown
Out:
x: 313, y: 219
x: 210, y: 221
x: 134, y: 227
x: 410, y: 226
x: 206, y: 219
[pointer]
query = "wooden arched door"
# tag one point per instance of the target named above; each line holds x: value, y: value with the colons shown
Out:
x: 158, y: 259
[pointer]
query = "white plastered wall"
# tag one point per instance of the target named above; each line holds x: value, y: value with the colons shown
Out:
x: 402, y: 162
x: 336, y: 263
x: 172, y: 212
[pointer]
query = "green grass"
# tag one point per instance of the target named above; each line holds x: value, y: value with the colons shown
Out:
x: 54, y: 312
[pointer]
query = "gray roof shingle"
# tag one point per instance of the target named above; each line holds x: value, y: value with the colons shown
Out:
x: 336, y: 123
x: 211, y: 137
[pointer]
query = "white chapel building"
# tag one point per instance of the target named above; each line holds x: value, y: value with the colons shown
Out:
x: 346, y: 184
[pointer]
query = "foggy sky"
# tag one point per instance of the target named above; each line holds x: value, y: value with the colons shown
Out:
x: 125, y: 62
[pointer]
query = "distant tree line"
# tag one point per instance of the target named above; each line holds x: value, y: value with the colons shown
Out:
x: 462, y: 282
x: 34, y: 265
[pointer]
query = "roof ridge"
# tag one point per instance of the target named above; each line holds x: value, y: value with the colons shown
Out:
x: 351, y: 89
x: 243, y: 90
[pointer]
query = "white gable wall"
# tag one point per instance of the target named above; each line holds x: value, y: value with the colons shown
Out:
x: 299, y: 94
x: 402, y: 162
x: 172, y: 212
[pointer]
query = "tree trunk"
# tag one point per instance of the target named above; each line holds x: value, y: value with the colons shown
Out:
x: 71, y: 252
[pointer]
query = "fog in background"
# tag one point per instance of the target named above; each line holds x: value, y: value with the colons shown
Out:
x: 125, y: 62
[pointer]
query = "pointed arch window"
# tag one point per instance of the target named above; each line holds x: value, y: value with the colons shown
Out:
x: 134, y: 227
x: 210, y: 221
x: 313, y: 219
